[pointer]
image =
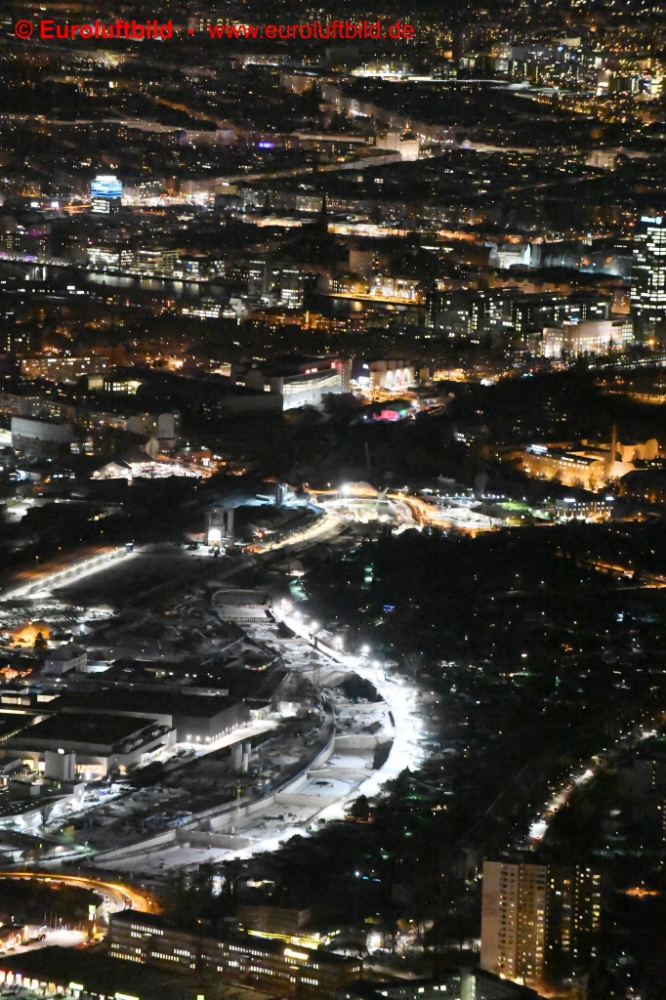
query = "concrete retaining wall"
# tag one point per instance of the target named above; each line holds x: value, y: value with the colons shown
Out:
x: 227, y: 815
x: 314, y: 802
x: 361, y: 741
x: 224, y: 840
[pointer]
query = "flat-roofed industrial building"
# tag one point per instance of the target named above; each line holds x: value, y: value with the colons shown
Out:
x: 103, y: 744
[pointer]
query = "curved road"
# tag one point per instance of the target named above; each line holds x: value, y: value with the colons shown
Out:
x: 401, y: 699
x: 120, y: 896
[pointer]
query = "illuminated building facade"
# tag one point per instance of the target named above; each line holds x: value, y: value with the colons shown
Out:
x: 538, y: 918
x: 307, y: 389
x: 574, y: 913
x: 279, y: 924
x: 389, y: 288
x: 104, y: 258
x: 586, y: 467
x: 305, y: 384
x: 267, y: 965
x: 648, y: 276
x: 155, y: 261
x: 589, y: 466
x: 69, y: 369
x: 105, y: 194
x: 393, y: 376
x: 597, y: 336
x: 513, y: 920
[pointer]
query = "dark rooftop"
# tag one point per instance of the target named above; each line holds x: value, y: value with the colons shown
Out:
x: 102, y: 730
x: 114, y: 699
x: 12, y: 722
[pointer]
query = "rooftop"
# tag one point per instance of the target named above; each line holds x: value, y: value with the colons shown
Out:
x: 268, y: 945
x: 110, y: 700
x: 105, y: 730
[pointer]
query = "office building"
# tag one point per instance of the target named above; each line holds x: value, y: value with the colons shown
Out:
x: 105, y: 194
x: 648, y: 275
x: 267, y: 965
x: 597, y: 336
x: 153, y: 261
x: 104, y: 258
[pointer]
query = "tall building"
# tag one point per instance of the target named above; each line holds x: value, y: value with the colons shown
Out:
x: 292, y: 288
x: 105, y: 194
x: 648, y: 275
x: 538, y: 921
x: 513, y: 920
x: 573, y: 915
